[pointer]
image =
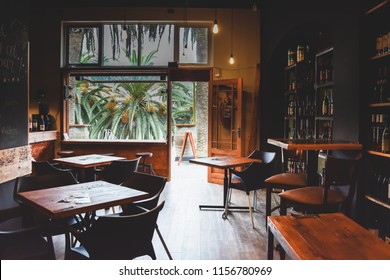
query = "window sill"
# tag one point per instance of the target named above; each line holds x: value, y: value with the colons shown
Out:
x: 112, y: 142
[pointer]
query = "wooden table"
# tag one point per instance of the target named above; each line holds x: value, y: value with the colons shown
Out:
x: 61, y: 202
x: 324, y: 237
x: 86, y: 163
x: 313, y: 146
x: 223, y: 162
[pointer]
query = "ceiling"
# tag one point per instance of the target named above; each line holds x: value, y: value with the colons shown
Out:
x: 237, y: 4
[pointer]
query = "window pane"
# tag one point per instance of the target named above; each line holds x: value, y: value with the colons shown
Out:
x: 157, y: 44
x: 109, y: 107
x: 193, y: 45
x: 120, y: 45
x: 83, y: 45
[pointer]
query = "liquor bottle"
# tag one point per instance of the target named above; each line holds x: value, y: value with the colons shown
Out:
x: 373, y: 131
x: 34, y: 123
x: 330, y: 102
x: 42, y: 124
x: 325, y: 104
x: 379, y: 132
x: 384, y: 42
x: 30, y: 126
x: 386, y: 136
x: 379, y: 45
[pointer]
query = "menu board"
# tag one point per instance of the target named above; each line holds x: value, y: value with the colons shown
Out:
x: 13, y: 78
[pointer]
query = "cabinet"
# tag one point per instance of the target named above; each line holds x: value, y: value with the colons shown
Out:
x: 324, y: 95
x: 309, y: 98
x: 376, y: 98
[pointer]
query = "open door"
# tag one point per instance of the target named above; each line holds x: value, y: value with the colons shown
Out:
x: 225, y: 123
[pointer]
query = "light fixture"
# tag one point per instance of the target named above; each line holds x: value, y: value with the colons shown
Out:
x: 254, y: 6
x: 215, y: 27
x: 231, y: 60
x: 124, y: 26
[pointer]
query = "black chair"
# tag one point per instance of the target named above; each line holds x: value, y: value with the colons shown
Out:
x: 18, y: 243
x: 114, y: 237
x: 45, y: 168
x: 152, y: 184
x: 251, y: 178
x: 335, y: 194
x: 32, y: 218
x: 118, y: 170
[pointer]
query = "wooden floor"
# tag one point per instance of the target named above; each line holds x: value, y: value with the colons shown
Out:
x: 193, y: 234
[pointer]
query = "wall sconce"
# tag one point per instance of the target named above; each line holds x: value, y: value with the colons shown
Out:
x: 215, y: 27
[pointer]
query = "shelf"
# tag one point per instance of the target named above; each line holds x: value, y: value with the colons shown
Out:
x: 377, y: 7
x: 386, y: 104
x: 376, y: 57
x: 324, y: 118
x: 324, y: 52
x: 377, y: 201
x: 380, y: 154
x: 323, y: 85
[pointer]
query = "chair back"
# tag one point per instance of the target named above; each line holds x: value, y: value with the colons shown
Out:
x: 31, y: 183
x: 253, y: 175
x: 26, y: 244
x: 341, y: 175
x: 152, y: 184
x: 121, y: 237
x: 45, y: 167
x: 119, y: 170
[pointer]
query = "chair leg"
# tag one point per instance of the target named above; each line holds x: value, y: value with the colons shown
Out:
x: 283, y: 207
x: 250, y: 210
x: 163, y: 243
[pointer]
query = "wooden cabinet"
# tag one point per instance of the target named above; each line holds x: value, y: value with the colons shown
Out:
x: 376, y: 103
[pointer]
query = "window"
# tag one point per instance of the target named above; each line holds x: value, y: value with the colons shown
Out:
x: 117, y: 107
x: 135, y: 44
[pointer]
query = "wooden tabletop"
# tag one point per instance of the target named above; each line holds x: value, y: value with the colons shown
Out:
x: 326, y: 237
x: 67, y: 201
x: 224, y: 162
x: 314, y: 144
x: 88, y: 161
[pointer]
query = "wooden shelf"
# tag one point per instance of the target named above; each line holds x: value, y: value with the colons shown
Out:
x: 376, y: 57
x: 377, y: 7
x: 324, y: 51
x: 324, y: 118
x: 371, y: 152
x: 385, y: 104
x: 377, y: 201
x: 323, y: 85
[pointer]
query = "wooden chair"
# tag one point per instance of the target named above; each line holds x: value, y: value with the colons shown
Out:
x: 118, y: 170
x: 145, y: 166
x: 251, y: 178
x: 335, y: 194
x: 114, y: 237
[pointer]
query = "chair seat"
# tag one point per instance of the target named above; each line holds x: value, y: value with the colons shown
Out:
x: 293, y: 180
x: 311, y: 196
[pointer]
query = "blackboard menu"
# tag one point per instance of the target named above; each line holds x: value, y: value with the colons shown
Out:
x: 13, y: 78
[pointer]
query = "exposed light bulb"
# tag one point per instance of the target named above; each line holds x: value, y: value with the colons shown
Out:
x: 254, y: 7
x: 124, y: 31
x: 215, y: 27
x: 231, y: 60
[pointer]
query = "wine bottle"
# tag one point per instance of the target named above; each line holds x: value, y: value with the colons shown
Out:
x: 34, y: 123
x: 386, y: 136
x: 330, y: 102
x: 325, y: 104
x: 30, y: 124
x: 42, y: 124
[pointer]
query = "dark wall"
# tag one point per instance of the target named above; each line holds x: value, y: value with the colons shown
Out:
x: 284, y: 23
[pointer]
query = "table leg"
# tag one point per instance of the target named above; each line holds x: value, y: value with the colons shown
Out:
x: 270, y: 247
x: 225, y: 191
x: 312, y: 165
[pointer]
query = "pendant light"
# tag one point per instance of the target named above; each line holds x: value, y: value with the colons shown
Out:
x: 231, y: 60
x: 124, y: 26
x: 215, y: 27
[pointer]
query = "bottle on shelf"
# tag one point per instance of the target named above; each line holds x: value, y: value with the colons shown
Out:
x: 30, y: 126
x: 373, y: 131
x: 42, y: 123
x: 379, y: 131
x: 330, y: 102
x: 325, y: 104
x: 379, y: 45
x: 385, y: 140
x: 34, y: 121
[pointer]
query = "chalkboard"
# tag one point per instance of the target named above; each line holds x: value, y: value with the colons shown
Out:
x: 13, y: 78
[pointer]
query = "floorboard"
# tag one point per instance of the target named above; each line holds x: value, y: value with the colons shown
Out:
x: 194, y: 234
